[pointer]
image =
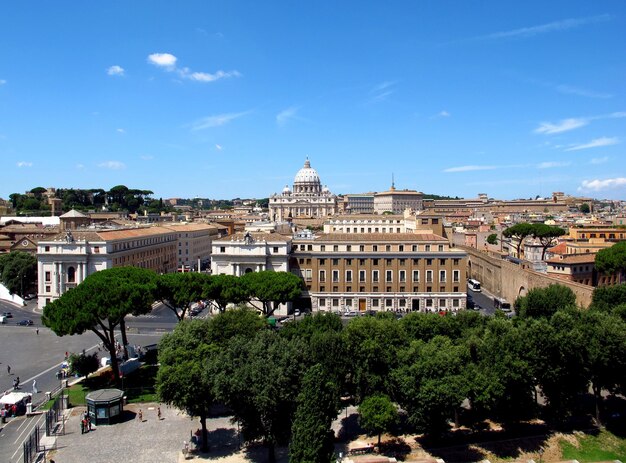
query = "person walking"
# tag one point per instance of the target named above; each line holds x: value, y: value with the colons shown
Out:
x: 9, y: 369
x: 35, y: 391
x: 159, y: 413
x: 37, y: 331
x: 140, y: 415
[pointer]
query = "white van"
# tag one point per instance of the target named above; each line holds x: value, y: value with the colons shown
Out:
x: 3, y: 319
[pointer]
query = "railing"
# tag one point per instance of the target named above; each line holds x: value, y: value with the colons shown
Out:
x: 31, y: 446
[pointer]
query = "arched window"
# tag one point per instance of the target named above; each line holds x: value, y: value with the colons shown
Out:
x: 71, y: 275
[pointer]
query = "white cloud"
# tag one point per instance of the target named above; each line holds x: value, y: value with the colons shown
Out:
x: 595, y: 143
x: 381, y: 91
x: 599, y: 160
x: 24, y: 164
x: 115, y: 70
x: 283, y: 117
x: 216, y: 121
x: 556, y: 26
x: 206, y: 77
x: 552, y: 164
x: 114, y: 165
x: 565, y: 125
x: 443, y: 113
x: 568, y: 89
x: 606, y: 184
x: 164, y: 60
x: 218, y: 147
x: 80, y: 166
x: 2, y: 81
x: 168, y: 61
x: 146, y: 157
x: 120, y: 130
x: 469, y: 168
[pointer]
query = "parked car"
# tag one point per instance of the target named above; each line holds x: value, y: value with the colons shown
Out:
x: 25, y: 322
x: 7, y: 314
x: 30, y: 296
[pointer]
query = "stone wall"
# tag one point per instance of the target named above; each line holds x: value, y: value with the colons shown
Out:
x: 508, y: 280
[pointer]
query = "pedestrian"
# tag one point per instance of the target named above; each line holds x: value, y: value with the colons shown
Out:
x: 82, y: 426
x: 37, y: 331
x: 66, y: 355
x: 159, y: 413
x: 14, y: 384
x: 35, y: 391
x: 17, y: 382
x: 9, y: 369
x: 140, y: 415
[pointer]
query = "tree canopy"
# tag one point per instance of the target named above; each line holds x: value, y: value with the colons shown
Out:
x: 545, y: 302
x: 612, y: 260
x: 272, y: 288
x: 378, y: 414
x: 18, y: 272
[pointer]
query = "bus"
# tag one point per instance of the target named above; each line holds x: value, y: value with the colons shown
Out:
x: 473, y: 285
x: 501, y: 304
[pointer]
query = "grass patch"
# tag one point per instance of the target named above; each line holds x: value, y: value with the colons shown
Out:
x: 604, y: 446
x: 138, y: 386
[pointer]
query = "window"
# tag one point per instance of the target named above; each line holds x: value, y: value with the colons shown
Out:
x: 361, y: 276
x: 335, y: 247
x: 402, y: 276
x: 427, y: 248
x: 429, y: 262
x: 335, y: 276
x: 429, y: 276
x: 442, y: 276
x: 429, y: 302
x: 349, y: 276
x: 424, y: 221
x: 389, y: 276
x: 388, y: 303
x: 375, y: 248
x: 388, y: 289
x: 455, y: 261
x: 47, y: 289
x: 323, y: 247
x: 401, y: 246
x: 402, y: 289
x: 348, y: 261
x: 322, y: 288
x: 47, y: 249
x: 96, y: 249
x: 416, y: 276
x: 222, y: 249
x: 361, y: 261
x: 322, y: 302
x: 48, y: 276
x: 321, y: 261
x: 301, y: 261
x: 361, y: 247
x: 335, y: 261
x: 335, y: 302
x: 442, y: 302
x: 456, y: 276
x: 414, y: 248
x: 374, y: 261
x: 348, y: 248
x: 348, y: 289
x: 375, y: 289
x: 308, y: 273
x: 375, y: 302
x: 402, y: 303
x: 442, y: 262
x: 361, y: 289
x: 302, y: 247
x: 402, y: 261
x: 335, y: 289
x: 309, y: 247
x: 416, y: 261
x: 388, y: 248
x: 375, y: 276
x: 440, y: 248
x: 322, y: 275
x: 455, y: 303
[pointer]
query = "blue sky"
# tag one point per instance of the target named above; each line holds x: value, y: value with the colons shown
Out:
x: 222, y: 99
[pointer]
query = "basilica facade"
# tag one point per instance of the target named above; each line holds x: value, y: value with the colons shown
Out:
x: 307, y: 198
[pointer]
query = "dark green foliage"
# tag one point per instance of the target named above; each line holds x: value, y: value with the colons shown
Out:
x: 492, y: 239
x: 612, y: 260
x: 179, y: 291
x: 18, y: 272
x: 232, y: 323
x: 608, y: 298
x: 84, y: 364
x: 223, y: 290
x: 545, y: 302
x: 378, y: 414
x: 547, y: 236
x: 100, y: 303
x: 272, y: 288
x: 584, y: 208
x: 317, y: 406
x: 372, y: 345
x: 519, y: 232
x: 259, y: 380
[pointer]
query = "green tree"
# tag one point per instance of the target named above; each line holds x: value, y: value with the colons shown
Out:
x: 608, y: 298
x: 179, y: 291
x: 492, y: 239
x: 547, y: 236
x: 272, y: 287
x: 100, y: 303
x: 545, y: 302
x: 18, y: 272
x: 237, y: 322
x: 259, y: 379
x: 84, y: 364
x: 222, y: 290
x: 182, y: 379
x: 585, y: 208
x: 317, y: 406
x: 612, y: 260
x: 372, y: 345
x: 378, y: 414
x: 519, y: 232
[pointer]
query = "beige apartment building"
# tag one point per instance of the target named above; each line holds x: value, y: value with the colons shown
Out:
x: 194, y: 244
x: 380, y: 271
x: 67, y: 259
x: 397, y: 201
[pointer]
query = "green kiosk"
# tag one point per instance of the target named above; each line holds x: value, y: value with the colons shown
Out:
x: 105, y: 406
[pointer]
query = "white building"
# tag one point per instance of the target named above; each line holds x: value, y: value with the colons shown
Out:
x: 247, y: 252
x: 308, y: 198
